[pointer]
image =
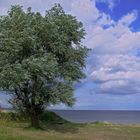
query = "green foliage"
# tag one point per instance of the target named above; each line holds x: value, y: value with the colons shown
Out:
x: 40, y: 57
x: 52, y: 118
x: 11, y: 116
x: 47, y: 117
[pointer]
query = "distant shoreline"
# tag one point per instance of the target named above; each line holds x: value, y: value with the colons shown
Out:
x: 88, y: 110
x: 6, y: 108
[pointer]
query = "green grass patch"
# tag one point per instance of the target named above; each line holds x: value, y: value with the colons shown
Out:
x: 56, y: 128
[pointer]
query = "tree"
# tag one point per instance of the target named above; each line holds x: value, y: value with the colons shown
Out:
x: 40, y: 58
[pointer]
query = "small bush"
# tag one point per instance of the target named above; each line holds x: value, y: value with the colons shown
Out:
x: 11, y: 116
x: 51, y: 117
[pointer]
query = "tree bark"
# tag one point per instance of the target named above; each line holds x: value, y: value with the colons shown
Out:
x: 34, y: 118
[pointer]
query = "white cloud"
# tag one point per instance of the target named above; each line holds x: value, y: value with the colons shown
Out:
x: 111, y: 3
x: 128, y: 19
x: 113, y: 64
x: 85, y: 10
x: 117, y: 38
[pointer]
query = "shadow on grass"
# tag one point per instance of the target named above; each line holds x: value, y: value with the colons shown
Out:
x: 63, y: 128
x: 50, y: 121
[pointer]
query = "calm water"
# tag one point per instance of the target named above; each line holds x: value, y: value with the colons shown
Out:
x: 121, y: 117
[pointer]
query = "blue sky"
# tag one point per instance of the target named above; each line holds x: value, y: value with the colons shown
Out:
x: 113, y: 65
x: 120, y: 8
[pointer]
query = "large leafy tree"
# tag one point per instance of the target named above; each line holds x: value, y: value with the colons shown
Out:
x: 40, y: 58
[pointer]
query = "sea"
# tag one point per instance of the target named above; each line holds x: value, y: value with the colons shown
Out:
x: 112, y: 116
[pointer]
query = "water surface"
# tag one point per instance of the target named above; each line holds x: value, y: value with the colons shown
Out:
x: 82, y: 116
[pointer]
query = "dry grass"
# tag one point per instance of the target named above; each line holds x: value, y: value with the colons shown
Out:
x: 13, y: 130
x: 20, y: 131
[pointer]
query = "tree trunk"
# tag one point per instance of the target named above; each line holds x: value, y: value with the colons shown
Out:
x: 34, y: 119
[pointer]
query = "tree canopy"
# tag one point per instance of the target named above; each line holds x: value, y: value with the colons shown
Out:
x: 40, y: 58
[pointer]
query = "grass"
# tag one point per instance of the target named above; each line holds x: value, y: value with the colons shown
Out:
x: 56, y: 128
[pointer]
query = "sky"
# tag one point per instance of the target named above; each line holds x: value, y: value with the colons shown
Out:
x: 113, y: 65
